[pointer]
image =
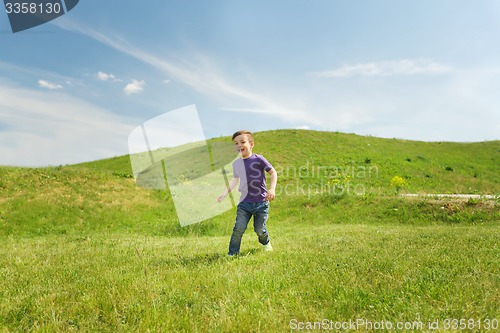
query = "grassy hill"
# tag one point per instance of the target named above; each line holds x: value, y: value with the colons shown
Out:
x: 441, y: 167
x: 85, y: 248
x: 323, y: 169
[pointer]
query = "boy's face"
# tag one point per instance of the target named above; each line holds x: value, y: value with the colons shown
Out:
x: 243, y: 145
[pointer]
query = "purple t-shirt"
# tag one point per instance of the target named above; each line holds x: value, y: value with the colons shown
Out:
x: 252, y: 174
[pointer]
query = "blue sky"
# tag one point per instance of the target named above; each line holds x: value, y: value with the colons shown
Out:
x: 72, y: 90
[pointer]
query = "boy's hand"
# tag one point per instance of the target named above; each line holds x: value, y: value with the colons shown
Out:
x: 272, y: 187
x: 221, y: 197
x: 270, y: 195
x: 232, y: 184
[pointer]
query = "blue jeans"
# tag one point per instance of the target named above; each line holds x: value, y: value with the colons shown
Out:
x: 260, y: 212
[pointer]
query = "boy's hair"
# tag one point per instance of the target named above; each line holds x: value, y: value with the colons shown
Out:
x: 248, y: 133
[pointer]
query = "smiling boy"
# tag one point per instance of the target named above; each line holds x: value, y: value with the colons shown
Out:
x: 250, y: 172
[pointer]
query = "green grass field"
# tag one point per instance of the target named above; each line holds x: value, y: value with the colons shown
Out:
x: 83, y: 248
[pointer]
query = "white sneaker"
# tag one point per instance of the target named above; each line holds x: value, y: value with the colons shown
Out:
x: 268, y: 247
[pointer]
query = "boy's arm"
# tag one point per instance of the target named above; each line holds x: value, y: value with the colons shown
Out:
x: 232, y: 185
x: 271, y: 193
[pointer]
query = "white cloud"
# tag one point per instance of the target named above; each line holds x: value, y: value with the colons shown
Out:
x: 386, y: 68
x: 134, y: 87
x: 244, y: 110
x: 302, y: 127
x: 461, y: 106
x: 105, y: 76
x: 201, y: 75
x: 360, y: 107
x: 49, y: 85
x: 52, y: 128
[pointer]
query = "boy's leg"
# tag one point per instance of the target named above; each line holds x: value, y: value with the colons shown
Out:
x: 260, y: 217
x: 243, y: 215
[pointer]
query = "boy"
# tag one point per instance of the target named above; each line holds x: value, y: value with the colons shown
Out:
x: 249, y: 171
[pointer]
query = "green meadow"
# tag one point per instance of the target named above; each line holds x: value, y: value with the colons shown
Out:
x: 85, y: 249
